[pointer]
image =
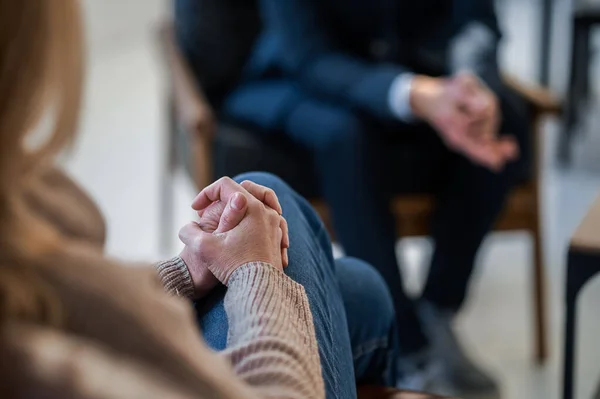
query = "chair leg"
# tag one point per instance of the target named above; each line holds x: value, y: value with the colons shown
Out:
x: 539, y: 298
x: 579, y: 43
x: 584, y: 64
x: 581, y: 267
x: 569, y: 348
x: 166, y: 185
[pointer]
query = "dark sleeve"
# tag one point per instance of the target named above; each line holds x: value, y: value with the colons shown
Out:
x: 475, y: 47
x: 310, y: 55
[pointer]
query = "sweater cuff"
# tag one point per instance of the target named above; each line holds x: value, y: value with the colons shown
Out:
x: 248, y: 272
x: 175, y: 277
x: 259, y: 288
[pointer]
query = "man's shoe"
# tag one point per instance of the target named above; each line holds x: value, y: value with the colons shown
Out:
x: 459, y: 374
x: 418, y: 372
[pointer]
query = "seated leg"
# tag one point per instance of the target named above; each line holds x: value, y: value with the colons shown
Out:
x: 347, y: 161
x: 312, y: 265
x: 371, y: 322
x: 468, y: 208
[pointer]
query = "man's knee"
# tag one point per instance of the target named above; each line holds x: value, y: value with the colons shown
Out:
x: 341, y: 130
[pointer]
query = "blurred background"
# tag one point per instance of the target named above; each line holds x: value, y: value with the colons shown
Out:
x: 125, y: 103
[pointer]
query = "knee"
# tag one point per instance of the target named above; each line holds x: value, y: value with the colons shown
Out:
x: 269, y: 180
x: 292, y: 203
x: 362, y: 285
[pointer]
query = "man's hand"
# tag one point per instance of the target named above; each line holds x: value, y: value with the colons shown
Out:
x: 227, y: 206
x: 466, y: 115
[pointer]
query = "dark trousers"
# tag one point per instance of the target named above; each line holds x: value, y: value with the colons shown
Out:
x: 352, y: 154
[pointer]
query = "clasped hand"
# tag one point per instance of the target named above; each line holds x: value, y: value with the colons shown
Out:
x: 466, y: 114
x: 239, y: 223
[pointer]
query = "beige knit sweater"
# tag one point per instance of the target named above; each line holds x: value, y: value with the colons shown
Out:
x: 123, y: 336
x: 271, y: 337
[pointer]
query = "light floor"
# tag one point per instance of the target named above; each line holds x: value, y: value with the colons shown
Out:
x: 120, y: 152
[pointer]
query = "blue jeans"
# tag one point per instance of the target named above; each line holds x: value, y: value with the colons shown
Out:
x: 352, y: 309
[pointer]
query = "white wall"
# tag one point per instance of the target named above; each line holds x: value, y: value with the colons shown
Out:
x: 109, y: 23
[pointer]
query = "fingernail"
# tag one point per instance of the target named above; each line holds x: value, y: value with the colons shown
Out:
x: 237, y: 202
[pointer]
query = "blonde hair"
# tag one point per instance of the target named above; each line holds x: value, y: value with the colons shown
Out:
x: 40, y: 77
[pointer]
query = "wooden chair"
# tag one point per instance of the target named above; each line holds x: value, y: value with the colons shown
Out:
x: 370, y: 392
x: 189, y: 111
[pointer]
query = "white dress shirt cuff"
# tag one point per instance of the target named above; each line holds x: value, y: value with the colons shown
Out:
x: 399, y: 97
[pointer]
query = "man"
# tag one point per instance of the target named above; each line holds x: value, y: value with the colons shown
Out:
x: 352, y: 79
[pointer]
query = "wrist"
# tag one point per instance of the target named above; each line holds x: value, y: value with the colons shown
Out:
x: 201, y: 279
x: 424, y: 91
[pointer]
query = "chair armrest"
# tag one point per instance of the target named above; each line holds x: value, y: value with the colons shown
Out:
x: 373, y: 392
x: 191, y: 107
x: 541, y: 98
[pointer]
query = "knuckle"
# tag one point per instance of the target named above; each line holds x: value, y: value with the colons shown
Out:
x: 197, y: 244
x: 225, y: 218
x: 494, y: 102
x: 225, y: 180
x: 284, y: 225
x: 452, y: 139
x: 270, y: 191
x: 254, y: 204
x: 274, y: 217
x: 184, y: 230
x: 464, y: 78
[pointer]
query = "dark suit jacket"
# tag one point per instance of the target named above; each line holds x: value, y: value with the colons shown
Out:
x: 345, y: 51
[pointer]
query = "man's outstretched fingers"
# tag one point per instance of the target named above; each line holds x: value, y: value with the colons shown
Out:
x: 234, y: 213
x: 264, y: 194
x: 481, y: 153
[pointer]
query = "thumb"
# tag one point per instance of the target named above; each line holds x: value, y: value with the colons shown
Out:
x: 234, y: 213
x: 197, y: 241
x: 192, y: 235
x: 468, y: 94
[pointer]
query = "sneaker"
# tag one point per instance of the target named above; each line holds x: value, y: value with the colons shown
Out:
x: 459, y: 374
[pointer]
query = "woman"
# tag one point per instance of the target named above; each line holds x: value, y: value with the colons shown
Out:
x: 76, y: 324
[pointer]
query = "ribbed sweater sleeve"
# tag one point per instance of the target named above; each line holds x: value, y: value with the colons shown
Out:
x: 175, y: 277
x: 271, y: 343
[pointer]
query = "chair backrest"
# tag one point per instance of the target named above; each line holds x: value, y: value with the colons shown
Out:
x: 586, y: 9
x: 216, y: 37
